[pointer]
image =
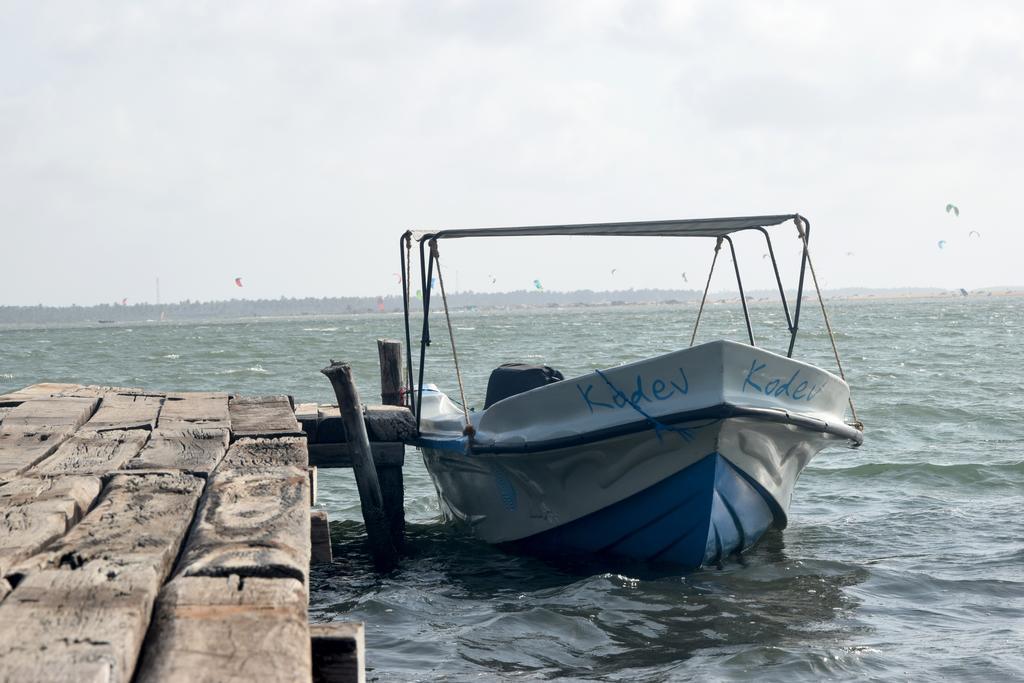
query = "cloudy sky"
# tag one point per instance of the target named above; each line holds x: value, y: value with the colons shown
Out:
x: 292, y: 143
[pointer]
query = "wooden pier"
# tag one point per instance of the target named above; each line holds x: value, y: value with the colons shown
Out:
x: 155, y: 536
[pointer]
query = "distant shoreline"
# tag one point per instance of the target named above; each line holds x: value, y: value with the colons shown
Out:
x: 330, y: 306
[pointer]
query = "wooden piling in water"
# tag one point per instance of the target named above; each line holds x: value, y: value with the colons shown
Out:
x: 320, y: 538
x: 378, y: 529
x: 391, y: 384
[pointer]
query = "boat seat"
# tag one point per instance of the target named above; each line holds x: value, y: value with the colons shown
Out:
x: 510, y: 379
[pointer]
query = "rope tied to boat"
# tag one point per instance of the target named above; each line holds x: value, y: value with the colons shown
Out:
x: 469, y: 430
x: 696, y: 324
x: 856, y: 423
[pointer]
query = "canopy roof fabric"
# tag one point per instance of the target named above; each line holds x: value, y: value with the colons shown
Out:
x: 691, y: 227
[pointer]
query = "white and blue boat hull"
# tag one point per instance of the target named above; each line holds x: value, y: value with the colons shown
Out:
x: 686, y: 458
x: 698, y: 516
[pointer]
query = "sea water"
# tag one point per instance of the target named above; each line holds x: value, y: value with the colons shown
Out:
x: 903, y: 559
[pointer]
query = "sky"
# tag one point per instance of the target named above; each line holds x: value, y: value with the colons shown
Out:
x: 291, y: 144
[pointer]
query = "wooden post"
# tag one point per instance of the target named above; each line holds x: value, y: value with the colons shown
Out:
x: 338, y: 652
x: 320, y: 538
x: 311, y: 471
x: 392, y: 486
x: 377, y: 529
x: 391, y: 478
x: 391, y: 384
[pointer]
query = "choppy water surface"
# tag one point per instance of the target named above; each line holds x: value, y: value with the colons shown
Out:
x: 903, y: 559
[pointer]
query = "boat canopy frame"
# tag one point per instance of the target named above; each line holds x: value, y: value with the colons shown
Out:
x: 719, y: 228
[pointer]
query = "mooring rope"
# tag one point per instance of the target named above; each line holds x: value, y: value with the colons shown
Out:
x: 718, y: 246
x: 828, y: 325
x: 469, y: 430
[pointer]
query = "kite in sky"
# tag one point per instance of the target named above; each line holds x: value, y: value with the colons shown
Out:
x: 238, y: 282
x: 953, y: 209
x: 537, y: 284
x: 942, y: 244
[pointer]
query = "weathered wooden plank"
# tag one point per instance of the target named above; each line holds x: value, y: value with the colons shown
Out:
x: 338, y: 649
x: 383, y: 423
x: 32, y: 489
x: 263, y: 416
x: 35, y: 428
x: 35, y: 391
x: 389, y: 423
x: 62, y: 390
x: 254, y: 518
x: 125, y: 411
x: 83, y: 625
x: 20, y: 449
x: 93, y: 453
x: 139, y: 521
x: 99, y: 391
x: 320, y: 538
x: 195, y: 450
x: 50, y: 413
x: 183, y: 410
x: 35, y: 512
x: 340, y: 454
x: 198, y: 395
x: 228, y: 629
x: 250, y: 454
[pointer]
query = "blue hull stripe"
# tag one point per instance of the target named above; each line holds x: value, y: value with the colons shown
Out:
x: 630, y: 534
x: 698, y: 516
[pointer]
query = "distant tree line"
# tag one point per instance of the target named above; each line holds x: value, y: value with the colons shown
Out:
x: 325, y: 306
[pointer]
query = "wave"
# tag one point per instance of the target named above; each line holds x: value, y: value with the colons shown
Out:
x: 960, y: 473
x: 237, y: 371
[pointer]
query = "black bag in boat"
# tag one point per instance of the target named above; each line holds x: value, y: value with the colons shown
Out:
x: 514, y: 378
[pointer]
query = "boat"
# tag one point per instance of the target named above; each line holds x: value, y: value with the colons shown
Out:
x: 685, y: 458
